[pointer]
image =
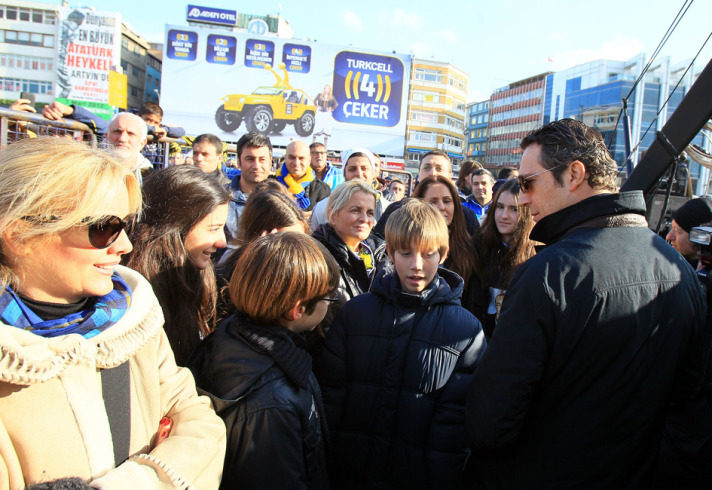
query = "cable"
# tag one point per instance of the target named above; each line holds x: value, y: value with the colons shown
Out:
x: 664, y: 105
x: 657, y: 50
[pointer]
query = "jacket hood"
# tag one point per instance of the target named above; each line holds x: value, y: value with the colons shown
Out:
x: 552, y: 227
x: 445, y: 288
x: 239, y: 358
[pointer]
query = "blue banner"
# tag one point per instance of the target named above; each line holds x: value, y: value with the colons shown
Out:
x: 259, y: 53
x: 182, y: 45
x: 368, y: 88
x: 296, y: 57
x: 221, y: 49
x: 211, y: 15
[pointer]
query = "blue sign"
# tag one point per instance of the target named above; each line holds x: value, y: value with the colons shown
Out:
x: 211, y: 15
x: 221, y: 49
x: 296, y: 57
x: 182, y: 45
x: 368, y: 88
x: 259, y: 53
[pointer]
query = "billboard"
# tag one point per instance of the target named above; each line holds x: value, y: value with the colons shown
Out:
x: 89, y: 44
x: 209, y: 15
x: 228, y: 83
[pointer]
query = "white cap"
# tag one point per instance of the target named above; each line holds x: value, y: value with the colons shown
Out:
x: 346, y: 154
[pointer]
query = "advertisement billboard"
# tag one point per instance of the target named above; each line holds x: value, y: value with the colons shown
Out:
x: 232, y: 82
x: 89, y: 44
x: 209, y: 15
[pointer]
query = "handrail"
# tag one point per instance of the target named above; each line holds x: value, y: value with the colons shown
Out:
x: 40, y: 120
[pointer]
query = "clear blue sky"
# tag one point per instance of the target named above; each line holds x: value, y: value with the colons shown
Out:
x: 494, y: 42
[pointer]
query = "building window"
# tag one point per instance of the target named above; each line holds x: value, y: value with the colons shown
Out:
x: 11, y: 13
x: 50, y: 18
x: 25, y: 15
x: 134, y: 92
x: 37, y: 16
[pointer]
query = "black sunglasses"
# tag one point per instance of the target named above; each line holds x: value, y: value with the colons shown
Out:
x: 104, y: 232
x: 333, y: 299
x: 525, y: 182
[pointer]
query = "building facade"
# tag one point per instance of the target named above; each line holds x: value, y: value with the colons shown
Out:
x: 436, y: 111
x: 152, y: 91
x: 134, y: 61
x: 28, y: 35
x: 515, y: 110
x: 477, y: 129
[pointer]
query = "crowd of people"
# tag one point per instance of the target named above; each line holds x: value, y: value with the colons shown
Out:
x: 306, y: 326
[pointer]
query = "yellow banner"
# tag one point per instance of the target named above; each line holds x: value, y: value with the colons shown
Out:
x: 118, y: 87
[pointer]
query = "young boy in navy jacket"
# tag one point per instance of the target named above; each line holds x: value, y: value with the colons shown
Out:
x: 397, y: 363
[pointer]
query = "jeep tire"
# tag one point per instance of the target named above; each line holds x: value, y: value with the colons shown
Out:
x: 259, y: 120
x: 305, y: 124
x: 228, y: 121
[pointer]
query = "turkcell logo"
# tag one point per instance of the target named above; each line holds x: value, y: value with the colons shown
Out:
x: 212, y: 15
x: 368, y: 88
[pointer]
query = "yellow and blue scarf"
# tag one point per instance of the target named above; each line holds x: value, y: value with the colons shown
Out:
x: 296, y: 187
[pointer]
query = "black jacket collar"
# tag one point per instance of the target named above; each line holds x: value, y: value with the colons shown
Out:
x: 551, y: 228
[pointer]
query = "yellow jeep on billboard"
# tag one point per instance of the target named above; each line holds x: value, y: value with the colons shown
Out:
x: 268, y: 109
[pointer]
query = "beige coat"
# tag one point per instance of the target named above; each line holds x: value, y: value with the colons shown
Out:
x: 53, y: 422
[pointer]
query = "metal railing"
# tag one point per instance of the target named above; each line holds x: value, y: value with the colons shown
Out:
x: 15, y: 125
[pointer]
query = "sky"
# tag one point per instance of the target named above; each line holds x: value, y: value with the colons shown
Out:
x: 494, y: 42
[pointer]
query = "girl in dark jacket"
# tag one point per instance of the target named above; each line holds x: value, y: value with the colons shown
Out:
x: 257, y: 371
x: 502, y: 245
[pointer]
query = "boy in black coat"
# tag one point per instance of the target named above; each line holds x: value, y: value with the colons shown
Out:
x: 257, y: 372
x: 397, y: 364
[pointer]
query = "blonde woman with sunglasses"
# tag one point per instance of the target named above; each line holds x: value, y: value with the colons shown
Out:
x: 89, y: 388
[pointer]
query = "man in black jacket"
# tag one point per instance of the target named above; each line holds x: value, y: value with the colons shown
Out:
x: 599, y: 332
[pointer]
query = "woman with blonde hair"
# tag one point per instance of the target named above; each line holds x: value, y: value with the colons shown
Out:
x: 89, y: 388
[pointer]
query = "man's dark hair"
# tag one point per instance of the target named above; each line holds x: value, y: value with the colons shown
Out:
x: 150, y: 108
x: 568, y: 140
x: 396, y: 181
x: 483, y: 171
x: 505, y: 173
x: 316, y: 144
x: 439, y: 153
x: 253, y: 140
x: 212, y: 139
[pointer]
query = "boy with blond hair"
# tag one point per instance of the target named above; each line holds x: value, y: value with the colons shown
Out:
x: 397, y: 364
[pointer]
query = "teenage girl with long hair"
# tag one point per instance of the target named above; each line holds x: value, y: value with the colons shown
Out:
x: 502, y: 245
x: 442, y: 193
x: 181, y: 227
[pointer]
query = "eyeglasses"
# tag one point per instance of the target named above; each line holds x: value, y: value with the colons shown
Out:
x: 102, y: 233
x: 106, y: 231
x: 526, y: 182
x: 332, y: 299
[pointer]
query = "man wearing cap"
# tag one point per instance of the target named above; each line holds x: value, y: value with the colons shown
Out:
x: 325, y: 171
x: 694, y: 212
x: 297, y: 175
x: 359, y: 163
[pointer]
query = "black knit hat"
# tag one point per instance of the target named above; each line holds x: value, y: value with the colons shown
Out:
x: 694, y: 212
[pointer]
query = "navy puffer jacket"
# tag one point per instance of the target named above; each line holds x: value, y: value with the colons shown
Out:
x: 394, y: 373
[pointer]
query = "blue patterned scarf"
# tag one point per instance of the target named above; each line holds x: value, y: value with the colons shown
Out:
x: 99, y: 316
